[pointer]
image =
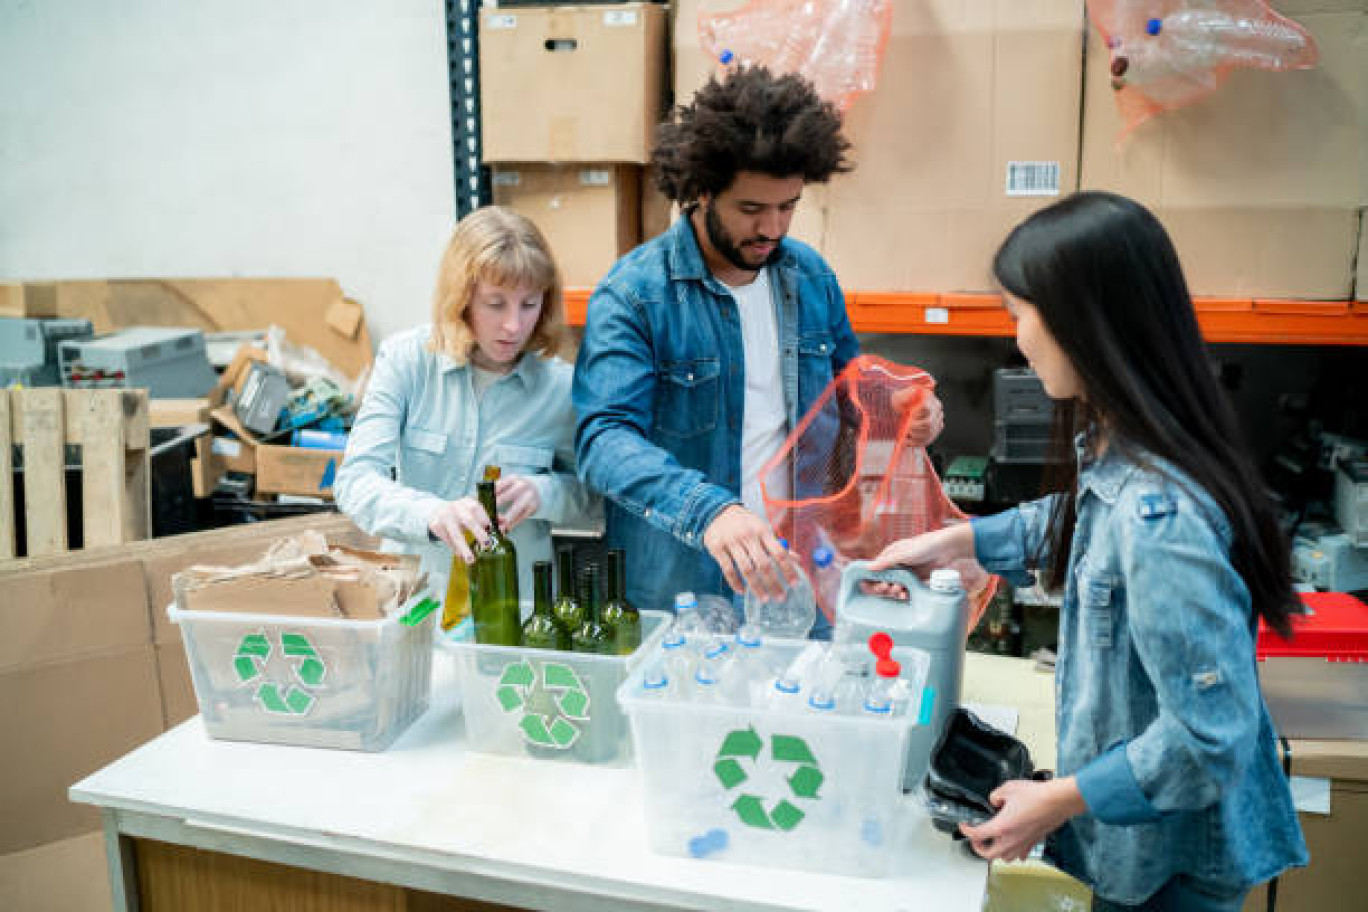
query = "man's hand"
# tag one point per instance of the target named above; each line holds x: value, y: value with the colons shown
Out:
x: 1027, y: 813
x: 517, y: 500
x: 749, y: 554
x: 928, y: 420
x: 453, y: 519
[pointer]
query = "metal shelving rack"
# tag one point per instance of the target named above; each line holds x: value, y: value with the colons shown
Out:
x: 463, y: 63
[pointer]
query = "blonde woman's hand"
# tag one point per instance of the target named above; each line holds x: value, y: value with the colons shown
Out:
x: 453, y: 519
x: 518, y: 500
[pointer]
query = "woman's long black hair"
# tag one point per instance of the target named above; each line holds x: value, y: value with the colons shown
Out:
x: 1104, y: 276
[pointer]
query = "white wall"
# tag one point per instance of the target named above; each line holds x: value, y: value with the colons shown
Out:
x: 260, y: 138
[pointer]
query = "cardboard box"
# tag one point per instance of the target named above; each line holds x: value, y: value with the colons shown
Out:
x: 1335, y: 879
x: 590, y: 215
x: 169, y: 413
x: 70, y: 875
x: 692, y: 68
x: 1261, y: 182
x: 177, y: 689
x: 973, y: 126
x: 571, y: 84
x: 296, y: 470
x: 35, y: 300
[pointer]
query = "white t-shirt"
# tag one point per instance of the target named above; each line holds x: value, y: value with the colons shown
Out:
x: 765, y: 424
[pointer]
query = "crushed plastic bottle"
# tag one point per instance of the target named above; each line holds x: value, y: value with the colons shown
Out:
x: 1159, y: 63
x: 710, y: 675
x: 826, y: 578
x: 834, y: 44
x: 749, y: 671
x: 678, y: 660
x: 880, y: 696
x: 655, y: 685
x: 790, y: 617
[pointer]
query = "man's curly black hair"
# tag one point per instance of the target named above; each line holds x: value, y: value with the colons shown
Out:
x: 752, y: 120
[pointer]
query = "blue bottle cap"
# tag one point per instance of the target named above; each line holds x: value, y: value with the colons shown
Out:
x: 726, y: 56
x: 1154, y: 27
x: 822, y: 556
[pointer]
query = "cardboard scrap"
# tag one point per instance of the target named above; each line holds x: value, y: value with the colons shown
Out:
x: 303, y: 576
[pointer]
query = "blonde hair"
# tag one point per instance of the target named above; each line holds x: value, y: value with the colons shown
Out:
x: 500, y: 247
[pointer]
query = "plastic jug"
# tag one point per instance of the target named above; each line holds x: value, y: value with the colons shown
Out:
x: 934, y: 619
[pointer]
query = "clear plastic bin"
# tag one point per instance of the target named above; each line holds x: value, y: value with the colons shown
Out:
x: 311, y: 682
x: 548, y: 703
x: 769, y: 787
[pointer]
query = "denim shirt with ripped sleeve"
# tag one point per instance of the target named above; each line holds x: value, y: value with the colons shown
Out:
x: 1157, y: 702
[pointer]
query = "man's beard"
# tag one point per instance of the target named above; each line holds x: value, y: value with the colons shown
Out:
x: 723, y: 243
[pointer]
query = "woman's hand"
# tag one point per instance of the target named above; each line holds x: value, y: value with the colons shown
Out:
x: 517, y: 499
x: 923, y: 553
x: 1027, y: 812
x: 454, y: 518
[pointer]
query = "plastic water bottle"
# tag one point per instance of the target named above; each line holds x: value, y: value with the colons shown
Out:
x: 825, y: 685
x: 792, y: 616
x: 787, y: 690
x: 826, y: 578
x: 710, y: 675
x: 687, y: 618
x: 883, y: 690
x: 677, y: 663
x: 655, y: 685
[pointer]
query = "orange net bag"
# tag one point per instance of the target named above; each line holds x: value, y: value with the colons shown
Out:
x: 848, y: 480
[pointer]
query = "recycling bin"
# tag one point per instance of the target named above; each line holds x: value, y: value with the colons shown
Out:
x: 547, y: 703
x: 781, y: 788
x: 311, y: 682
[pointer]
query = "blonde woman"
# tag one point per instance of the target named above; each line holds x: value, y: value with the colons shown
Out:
x: 479, y: 385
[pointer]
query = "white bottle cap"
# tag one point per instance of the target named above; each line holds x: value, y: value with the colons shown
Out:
x: 945, y: 579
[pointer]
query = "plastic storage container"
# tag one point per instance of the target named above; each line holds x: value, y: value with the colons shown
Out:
x: 548, y: 703
x: 1316, y: 686
x: 792, y: 789
x: 311, y: 682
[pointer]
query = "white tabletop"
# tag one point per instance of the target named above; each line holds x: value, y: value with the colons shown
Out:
x: 537, y: 833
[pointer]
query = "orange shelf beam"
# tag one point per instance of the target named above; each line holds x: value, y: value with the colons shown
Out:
x: 1250, y: 321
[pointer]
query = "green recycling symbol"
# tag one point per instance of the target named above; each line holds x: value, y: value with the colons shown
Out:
x: 308, y: 669
x: 803, y: 782
x: 550, y: 705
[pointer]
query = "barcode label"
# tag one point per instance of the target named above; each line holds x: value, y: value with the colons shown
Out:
x: 620, y: 18
x: 596, y: 177
x: 936, y: 315
x: 501, y: 21
x: 507, y: 178
x: 1032, y: 178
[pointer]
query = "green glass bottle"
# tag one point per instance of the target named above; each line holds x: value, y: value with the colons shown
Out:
x: 494, y: 581
x: 622, y: 620
x: 591, y: 635
x: 541, y: 630
x: 569, y: 611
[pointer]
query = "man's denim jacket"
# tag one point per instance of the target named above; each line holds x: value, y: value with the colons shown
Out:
x: 659, y: 391
x: 1158, y: 708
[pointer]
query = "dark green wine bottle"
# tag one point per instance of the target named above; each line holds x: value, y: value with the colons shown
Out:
x: 591, y: 636
x: 494, y: 579
x: 541, y: 630
x: 569, y: 611
x: 622, y: 620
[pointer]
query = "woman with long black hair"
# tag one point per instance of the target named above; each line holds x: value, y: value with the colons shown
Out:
x: 1169, y: 794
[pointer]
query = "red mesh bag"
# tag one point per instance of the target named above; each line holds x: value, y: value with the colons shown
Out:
x: 847, y: 478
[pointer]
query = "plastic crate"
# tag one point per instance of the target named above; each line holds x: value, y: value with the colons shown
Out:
x: 311, y: 682
x: 1316, y: 685
x: 769, y: 787
x: 547, y: 703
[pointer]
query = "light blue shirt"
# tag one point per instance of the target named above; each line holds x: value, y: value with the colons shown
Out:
x: 422, y: 438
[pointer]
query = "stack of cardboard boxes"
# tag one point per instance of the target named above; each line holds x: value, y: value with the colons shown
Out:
x: 570, y: 97
x: 985, y: 111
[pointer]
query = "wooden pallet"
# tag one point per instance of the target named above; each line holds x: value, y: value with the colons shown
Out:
x: 111, y: 429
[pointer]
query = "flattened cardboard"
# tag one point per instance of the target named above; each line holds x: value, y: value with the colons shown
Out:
x: 34, y: 300
x: 178, y: 699
x: 1260, y: 183
x: 571, y: 84
x: 69, y: 875
x: 590, y: 214
x: 62, y: 722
